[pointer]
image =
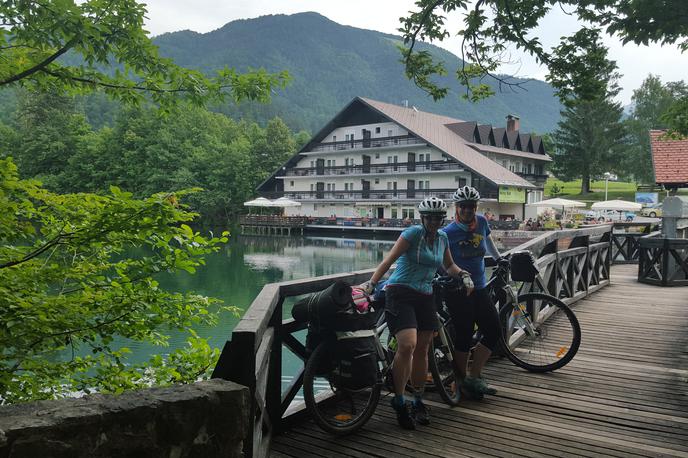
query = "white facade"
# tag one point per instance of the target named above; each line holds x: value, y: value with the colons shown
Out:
x: 381, y: 170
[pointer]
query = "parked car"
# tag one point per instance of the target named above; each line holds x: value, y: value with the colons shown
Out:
x: 652, y: 212
x: 601, y: 215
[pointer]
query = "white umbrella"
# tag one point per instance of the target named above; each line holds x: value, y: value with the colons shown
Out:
x: 285, y: 202
x: 618, y: 205
x: 558, y: 202
x: 259, y: 202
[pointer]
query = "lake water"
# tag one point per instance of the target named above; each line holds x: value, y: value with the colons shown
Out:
x: 238, y: 272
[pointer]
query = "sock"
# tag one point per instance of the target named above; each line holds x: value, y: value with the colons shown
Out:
x: 418, y: 394
x: 399, y: 400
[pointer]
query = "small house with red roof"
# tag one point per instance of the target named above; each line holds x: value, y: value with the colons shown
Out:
x: 669, y: 160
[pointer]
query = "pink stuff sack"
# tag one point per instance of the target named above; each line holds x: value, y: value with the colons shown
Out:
x: 360, y: 299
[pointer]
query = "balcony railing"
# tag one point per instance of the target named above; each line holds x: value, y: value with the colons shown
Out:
x: 368, y: 143
x: 400, y: 167
x: 381, y: 194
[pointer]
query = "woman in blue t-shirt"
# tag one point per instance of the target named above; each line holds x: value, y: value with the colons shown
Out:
x: 409, y: 309
x: 469, y: 241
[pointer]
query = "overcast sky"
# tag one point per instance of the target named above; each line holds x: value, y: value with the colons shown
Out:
x: 635, y: 62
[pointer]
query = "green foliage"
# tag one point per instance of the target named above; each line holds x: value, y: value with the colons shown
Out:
x: 78, y: 270
x: 35, y: 40
x: 590, y: 140
x: 491, y: 26
x: 655, y: 106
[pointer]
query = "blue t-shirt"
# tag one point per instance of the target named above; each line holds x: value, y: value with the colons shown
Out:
x: 468, y: 248
x: 417, y: 266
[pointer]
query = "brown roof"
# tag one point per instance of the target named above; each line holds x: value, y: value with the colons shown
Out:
x: 669, y: 159
x: 485, y: 132
x: 510, y: 152
x: 465, y: 129
x: 501, y: 140
x: 433, y: 129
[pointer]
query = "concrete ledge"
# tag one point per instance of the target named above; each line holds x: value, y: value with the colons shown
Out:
x: 206, y: 419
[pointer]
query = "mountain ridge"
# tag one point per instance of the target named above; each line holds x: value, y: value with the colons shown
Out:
x: 331, y: 64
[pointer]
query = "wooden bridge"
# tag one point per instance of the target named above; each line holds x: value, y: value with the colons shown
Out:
x: 624, y: 394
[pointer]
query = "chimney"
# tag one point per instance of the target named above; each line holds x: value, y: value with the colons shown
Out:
x: 513, y: 123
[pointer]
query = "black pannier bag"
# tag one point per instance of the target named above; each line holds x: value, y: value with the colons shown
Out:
x: 320, y: 309
x: 523, y: 266
x: 357, y: 357
x: 331, y: 314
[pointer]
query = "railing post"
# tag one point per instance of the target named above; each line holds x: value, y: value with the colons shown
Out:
x: 274, y: 385
x: 665, y: 261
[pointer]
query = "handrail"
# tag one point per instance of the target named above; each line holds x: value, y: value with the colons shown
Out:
x: 663, y: 261
x: 573, y: 263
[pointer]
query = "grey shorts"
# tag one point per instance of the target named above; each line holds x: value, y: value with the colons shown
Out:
x: 407, y: 308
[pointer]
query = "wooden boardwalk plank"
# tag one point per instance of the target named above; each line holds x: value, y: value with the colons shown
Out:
x: 625, y: 394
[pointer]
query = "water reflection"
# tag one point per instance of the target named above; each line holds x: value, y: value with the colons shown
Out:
x: 237, y: 273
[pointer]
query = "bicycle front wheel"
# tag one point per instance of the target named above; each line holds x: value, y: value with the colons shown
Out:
x: 443, y: 367
x: 541, y: 333
x: 335, y: 409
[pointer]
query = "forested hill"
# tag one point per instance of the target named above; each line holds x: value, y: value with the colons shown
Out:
x: 331, y: 63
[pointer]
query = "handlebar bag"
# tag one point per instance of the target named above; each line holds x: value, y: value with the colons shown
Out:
x: 523, y: 266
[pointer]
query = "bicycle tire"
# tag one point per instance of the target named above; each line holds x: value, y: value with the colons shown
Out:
x: 443, y: 368
x: 345, y: 411
x: 556, y: 340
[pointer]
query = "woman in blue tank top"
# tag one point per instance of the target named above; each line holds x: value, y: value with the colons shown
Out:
x: 409, y: 309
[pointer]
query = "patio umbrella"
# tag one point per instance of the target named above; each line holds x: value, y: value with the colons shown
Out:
x: 558, y: 202
x: 260, y: 202
x: 618, y: 205
x: 285, y: 202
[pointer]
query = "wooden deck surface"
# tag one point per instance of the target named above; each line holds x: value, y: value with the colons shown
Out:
x: 625, y: 394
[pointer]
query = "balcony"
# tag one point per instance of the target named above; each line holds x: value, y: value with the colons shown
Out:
x: 372, y: 195
x: 402, y: 140
x: 400, y: 167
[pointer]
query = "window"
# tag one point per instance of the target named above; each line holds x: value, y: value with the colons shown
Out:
x: 334, y: 186
x: 407, y: 213
x: 420, y: 184
x: 389, y: 185
x: 334, y: 162
x: 377, y: 181
x: 394, y: 213
x: 291, y: 183
x: 421, y: 157
x: 377, y: 155
x: 377, y: 130
x: 311, y: 187
x: 329, y: 162
x: 346, y: 186
x: 389, y: 133
x: 312, y: 163
x: 389, y: 159
x: 504, y: 164
x: 427, y: 184
x: 329, y: 187
x: 334, y: 138
x: 460, y: 181
x: 511, y: 168
x: 427, y: 157
x: 351, y: 186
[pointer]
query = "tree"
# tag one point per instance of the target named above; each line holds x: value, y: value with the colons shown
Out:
x: 101, y: 45
x: 491, y: 26
x: 651, y: 104
x: 71, y: 281
x: 48, y: 131
x: 589, y: 140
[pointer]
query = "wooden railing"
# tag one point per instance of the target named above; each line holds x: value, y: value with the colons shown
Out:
x: 573, y: 263
x: 663, y: 261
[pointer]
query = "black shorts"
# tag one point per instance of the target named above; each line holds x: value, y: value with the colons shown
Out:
x: 406, y: 308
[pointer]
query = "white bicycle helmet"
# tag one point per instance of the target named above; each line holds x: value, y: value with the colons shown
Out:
x: 432, y: 206
x: 466, y: 194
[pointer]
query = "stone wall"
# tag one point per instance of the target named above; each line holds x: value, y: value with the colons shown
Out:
x: 206, y: 419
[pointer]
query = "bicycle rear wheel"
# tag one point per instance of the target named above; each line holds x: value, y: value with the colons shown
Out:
x: 443, y: 367
x: 541, y: 333
x: 335, y: 409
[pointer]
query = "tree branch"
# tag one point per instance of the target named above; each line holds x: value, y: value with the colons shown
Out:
x: 70, y: 44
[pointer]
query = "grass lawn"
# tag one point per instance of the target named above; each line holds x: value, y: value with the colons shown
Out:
x: 616, y: 190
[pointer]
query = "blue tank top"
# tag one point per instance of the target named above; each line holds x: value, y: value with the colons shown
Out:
x: 417, y: 266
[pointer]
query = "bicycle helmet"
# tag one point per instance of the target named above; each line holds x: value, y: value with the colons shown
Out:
x: 432, y: 206
x: 466, y: 194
